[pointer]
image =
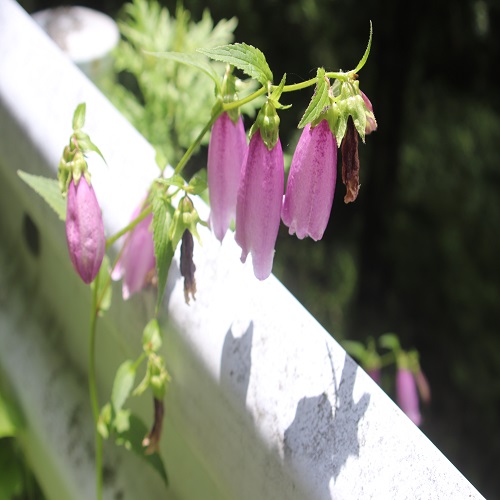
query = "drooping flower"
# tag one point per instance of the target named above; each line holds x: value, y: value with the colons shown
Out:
x: 371, y: 122
x: 260, y: 197
x: 84, y: 230
x: 226, y: 152
x: 407, y: 395
x: 137, y: 263
x: 311, y: 182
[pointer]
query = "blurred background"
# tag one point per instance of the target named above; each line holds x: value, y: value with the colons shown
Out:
x: 418, y: 253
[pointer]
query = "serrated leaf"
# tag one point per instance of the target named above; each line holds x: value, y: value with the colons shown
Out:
x: 319, y: 100
x: 79, y: 116
x: 164, y: 252
x: 133, y: 438
x: 176, y: 180
x: 48, y: 189
x: 193, y: 60
x: 122, y: 385
x: 245, y: 57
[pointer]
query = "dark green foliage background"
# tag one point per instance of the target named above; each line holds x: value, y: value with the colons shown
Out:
x: 419, y: 252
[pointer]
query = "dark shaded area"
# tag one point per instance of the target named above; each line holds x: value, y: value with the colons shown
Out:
x: 325, y: 437
x: 236, y: 363
x: 417, y: 253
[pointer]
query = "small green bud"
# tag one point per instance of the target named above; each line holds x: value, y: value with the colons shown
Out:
x: 268, y: 123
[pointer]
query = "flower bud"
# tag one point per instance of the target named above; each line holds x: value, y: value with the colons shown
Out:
x: 188, y: 266
x: 137, y: 263
x: 258, y: 209
x: 311, y: 182
x: 406, y: 394
x: 371, y: 122
x: 226, y: 151
x: 84, y: 230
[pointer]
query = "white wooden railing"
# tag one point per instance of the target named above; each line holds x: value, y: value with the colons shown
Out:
x: 264, y: 404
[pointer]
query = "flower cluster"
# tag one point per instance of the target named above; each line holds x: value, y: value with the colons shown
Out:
x: 252, y: 179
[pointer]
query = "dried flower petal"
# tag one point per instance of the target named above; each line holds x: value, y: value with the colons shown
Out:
x: 350, y: 162
x: 188, y: 267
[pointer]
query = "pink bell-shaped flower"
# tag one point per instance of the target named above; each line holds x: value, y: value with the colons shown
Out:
x: 371, y: 122
x: 226, y: 151
x: 311, y: 182
x: 84, y: 230
x: 137, y: 263
x: 258, y: 209
x: 407, y: 395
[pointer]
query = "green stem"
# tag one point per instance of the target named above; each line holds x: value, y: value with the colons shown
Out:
x: 195, y: 144
x: 129, y: 227
x: 93, y: 391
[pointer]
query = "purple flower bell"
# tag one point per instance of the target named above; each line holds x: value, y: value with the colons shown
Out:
x: 226, y: 151
x: 137, y: 263
x: 407, y: 395
x: 84, y: 230
x: 258, y: 209
x: 311, y: 182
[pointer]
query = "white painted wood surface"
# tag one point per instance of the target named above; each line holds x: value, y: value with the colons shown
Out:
x: 264, y: 403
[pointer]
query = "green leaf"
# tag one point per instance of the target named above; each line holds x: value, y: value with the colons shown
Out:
x: 319, y: 100
x: 245, y: 57
x: 122, y: 385
x: 79, y: 116
x: 10, y: 420
x: 194, y: 60
x: 132, y: 438
x: 48, y: 189
x: 164, y: 252
x: 104, y: 420
x: 355, y: 349
x: 176, y: 180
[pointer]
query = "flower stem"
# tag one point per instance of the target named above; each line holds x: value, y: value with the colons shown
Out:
x: 129, y: 227
x: 93, y: 391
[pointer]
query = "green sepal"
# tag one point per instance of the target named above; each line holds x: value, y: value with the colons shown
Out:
x: 104, y: 422
x: 185, y: 217
x: 79, y: 116
x: 152, y: 337
x: 276, y: 94
x: 268, y: 123
x: 319, y: 101
x: 198, y: 183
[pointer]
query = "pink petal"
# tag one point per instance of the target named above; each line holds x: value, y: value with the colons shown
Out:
x: 259, y: 204
x: 226, y: 152
x: 311, y: 183
x: 84, y: 230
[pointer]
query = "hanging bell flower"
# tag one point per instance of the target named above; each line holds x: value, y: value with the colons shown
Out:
x: 226, y: 152
x: 260, y: 195
x: 311, y: 182
x: 84, y: 229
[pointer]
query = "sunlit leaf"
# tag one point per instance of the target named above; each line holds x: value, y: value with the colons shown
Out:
x: 48, y: 189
